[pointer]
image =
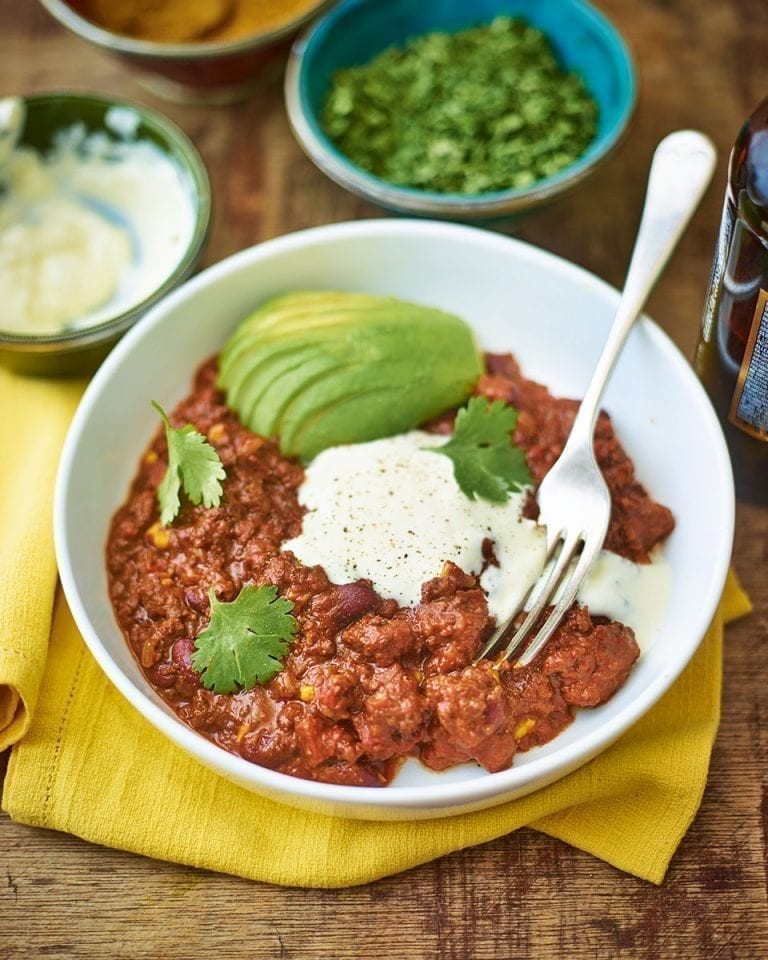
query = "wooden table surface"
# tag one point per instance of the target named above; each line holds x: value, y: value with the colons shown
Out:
x: 702, y: 63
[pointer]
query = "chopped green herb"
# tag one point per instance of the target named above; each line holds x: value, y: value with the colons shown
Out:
x: 484, y: 109
x: 245, y: 640
x: 193, y: 463
x: 486, y: 463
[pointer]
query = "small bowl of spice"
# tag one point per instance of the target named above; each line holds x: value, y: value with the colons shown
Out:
x: 475, y: 112
x: 195, y: 51
x: 104, y: 208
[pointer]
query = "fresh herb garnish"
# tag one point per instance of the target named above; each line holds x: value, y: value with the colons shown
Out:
x: 486, y: 463
x: 245, y: 640
x: 193, y: 463
x: 483, y: 109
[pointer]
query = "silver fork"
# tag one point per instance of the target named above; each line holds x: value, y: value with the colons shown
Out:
x: 574, y: 502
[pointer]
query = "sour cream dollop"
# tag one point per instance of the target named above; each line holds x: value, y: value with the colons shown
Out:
x: 90, y: 229
x: 390, y: 511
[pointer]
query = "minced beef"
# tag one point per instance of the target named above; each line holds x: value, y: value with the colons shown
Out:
x: 366, y: 683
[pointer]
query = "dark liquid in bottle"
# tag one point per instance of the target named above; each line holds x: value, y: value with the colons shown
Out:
x: 732, y: 354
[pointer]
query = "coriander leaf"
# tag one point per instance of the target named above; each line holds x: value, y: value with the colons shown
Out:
x: 482, y: 109
x: 486, y: 463
x: 193, y: 463
x: 245, y: 640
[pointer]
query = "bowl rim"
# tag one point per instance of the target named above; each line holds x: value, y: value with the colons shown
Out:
x: 151, y: 49
x: 368, y: 186
x: 440, y: 799
x: 188, y: 159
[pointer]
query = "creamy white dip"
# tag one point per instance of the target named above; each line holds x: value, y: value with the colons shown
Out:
x: 392, y: 512
x: 89, y: 230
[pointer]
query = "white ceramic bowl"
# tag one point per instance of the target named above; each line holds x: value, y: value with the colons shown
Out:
x: 554, y: 316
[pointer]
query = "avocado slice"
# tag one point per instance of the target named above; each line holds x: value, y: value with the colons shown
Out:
x: 258, y: 357
x: 355, y: 417
x: 266, y: 413
x: 321, y: 368
x: 263, y: 377
x: 246, y: 366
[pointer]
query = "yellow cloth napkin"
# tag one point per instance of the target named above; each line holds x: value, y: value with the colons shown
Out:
x: 35, y: 416
x: 90, y: 765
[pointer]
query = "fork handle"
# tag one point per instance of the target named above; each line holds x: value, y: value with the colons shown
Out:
x: 681, y: 169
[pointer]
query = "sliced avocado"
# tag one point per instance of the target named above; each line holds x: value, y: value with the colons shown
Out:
x: 257, y: 355
x: 320, y: 396
x: 272, y: 413
x: 247, y: 365
x: 355, y: 414
x: 260, y: 378
x: 323, y: 368
x: 300, y: 311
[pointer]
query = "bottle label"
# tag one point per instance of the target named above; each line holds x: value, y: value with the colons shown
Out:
x: 749, y: 407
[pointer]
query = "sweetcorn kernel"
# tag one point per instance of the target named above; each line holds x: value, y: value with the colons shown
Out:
x: 523, y: 728
x: 159, y: 536
x: 306, y: 692
x: 151, y: 457
x: 217, y: 433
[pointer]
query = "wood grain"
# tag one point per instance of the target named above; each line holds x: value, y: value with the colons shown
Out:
x: 702, y: 64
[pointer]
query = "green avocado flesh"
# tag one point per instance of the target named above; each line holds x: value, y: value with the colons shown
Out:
x: 319, y: 369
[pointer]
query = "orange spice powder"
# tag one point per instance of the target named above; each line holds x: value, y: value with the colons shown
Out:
x: 192, y: 21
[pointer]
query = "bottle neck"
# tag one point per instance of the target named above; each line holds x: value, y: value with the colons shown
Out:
x: 748, y: 172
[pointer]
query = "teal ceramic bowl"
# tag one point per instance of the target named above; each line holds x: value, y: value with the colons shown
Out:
x: 356, y: 30
x: 81, y: 348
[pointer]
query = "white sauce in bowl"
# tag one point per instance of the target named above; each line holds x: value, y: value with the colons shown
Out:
x: 391, y: 511
x: 89, y: 230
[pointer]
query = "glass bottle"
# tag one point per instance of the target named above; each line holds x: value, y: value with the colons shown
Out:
x: 732, y: 353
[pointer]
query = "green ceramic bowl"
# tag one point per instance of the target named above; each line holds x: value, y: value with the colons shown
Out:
x: 80, y: 350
